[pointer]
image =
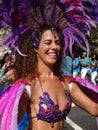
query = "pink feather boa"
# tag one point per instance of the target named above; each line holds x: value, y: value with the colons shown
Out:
x: 9, y: 101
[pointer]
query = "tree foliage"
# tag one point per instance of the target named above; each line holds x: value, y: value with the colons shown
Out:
x: 93, y: 39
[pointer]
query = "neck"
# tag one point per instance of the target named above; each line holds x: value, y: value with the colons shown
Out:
x: 45, y: 71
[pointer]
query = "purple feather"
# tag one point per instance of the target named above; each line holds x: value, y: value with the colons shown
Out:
x: 90, y: 89
x: 17, y: 15
x: 87, y: 84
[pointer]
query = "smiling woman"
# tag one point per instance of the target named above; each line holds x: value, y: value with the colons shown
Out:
x: 40, y: 35
x: 45, y: 80
x: 43, y: 84
x: 48, y: 50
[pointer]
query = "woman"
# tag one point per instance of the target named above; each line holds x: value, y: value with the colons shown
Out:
x: 48, y: 87
x: 40, y: 40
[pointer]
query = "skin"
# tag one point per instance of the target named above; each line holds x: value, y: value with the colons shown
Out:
x: 9, y: 73
x: 47, y: 55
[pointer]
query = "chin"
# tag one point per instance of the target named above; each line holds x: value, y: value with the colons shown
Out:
x: 52, y: 63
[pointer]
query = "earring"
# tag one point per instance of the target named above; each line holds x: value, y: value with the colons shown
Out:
x: 35, y: 44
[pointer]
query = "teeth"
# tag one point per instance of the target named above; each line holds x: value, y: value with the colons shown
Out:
x: 52, y: 54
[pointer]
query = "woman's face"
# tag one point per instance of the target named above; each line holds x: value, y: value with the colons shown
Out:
x: 49, y: 48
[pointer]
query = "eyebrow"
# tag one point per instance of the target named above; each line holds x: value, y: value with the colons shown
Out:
x: 51, y: 40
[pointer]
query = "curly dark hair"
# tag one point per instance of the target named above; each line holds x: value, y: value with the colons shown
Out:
x: 26, y: 66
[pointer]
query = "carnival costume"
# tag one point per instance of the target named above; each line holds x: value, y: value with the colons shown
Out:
x: 74, y: 17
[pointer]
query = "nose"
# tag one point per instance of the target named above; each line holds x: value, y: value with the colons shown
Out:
x: 53, y: 45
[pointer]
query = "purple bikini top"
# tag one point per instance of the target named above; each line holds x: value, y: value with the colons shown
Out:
x: 52, y: 113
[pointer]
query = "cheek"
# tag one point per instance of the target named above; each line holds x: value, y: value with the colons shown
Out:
x: 59, y: 48
x: 44, y: 49
x: 41, y: 50
x: 46, y: 46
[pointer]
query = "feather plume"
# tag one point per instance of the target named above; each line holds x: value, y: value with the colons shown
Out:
x: 87, y: 84
x: 9, y: 101
x: 22, y: 16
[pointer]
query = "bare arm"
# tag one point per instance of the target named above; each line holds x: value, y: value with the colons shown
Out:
x: 79, y: 98
x: 10, y: 74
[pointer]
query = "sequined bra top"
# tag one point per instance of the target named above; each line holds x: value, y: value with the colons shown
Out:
x: 51, y: 112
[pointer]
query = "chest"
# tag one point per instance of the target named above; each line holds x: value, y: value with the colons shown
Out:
x: 49, y: 101
x: 55, y: 90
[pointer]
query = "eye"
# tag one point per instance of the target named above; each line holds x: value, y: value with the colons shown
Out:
x: 57, y: 42
x: 47, y: 42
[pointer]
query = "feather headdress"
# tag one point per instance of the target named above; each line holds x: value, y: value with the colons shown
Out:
x: 74, y: 17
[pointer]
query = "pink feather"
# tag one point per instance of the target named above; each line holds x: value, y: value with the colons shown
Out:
x: 9, y: 102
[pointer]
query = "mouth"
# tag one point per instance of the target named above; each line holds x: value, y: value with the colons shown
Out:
x: 53, y: 55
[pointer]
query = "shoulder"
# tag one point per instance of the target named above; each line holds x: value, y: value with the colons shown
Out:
x: 30, y: 86
x: 70, y: 81
x: 87, y: 58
